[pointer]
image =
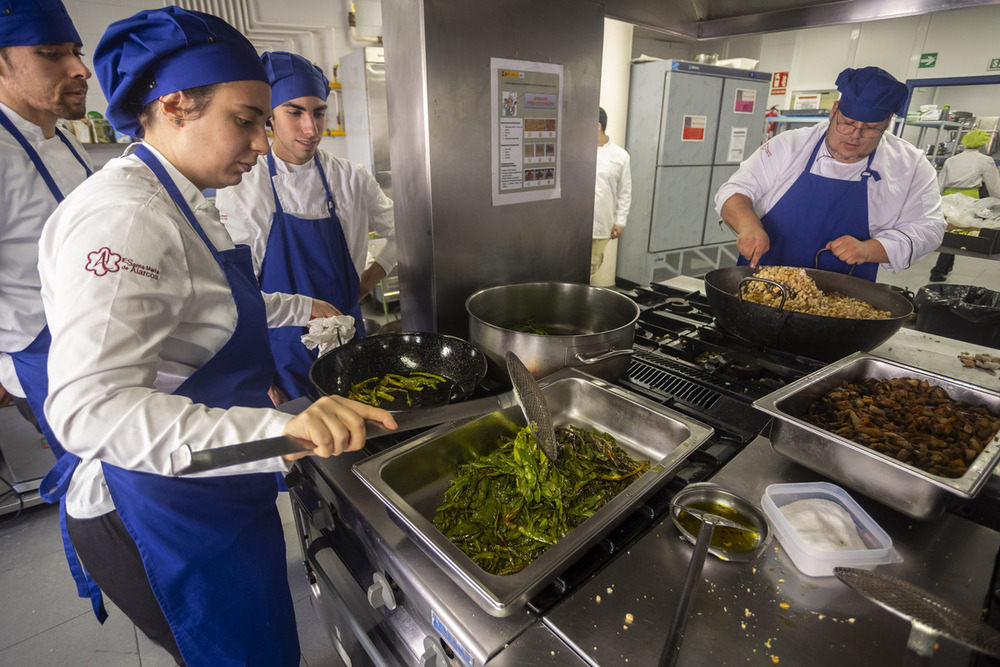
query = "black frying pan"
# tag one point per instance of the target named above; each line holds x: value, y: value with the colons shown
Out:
x: 813, y: 336
x: 457, y: 360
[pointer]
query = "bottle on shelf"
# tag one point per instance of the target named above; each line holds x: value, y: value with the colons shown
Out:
x: 946, y: 112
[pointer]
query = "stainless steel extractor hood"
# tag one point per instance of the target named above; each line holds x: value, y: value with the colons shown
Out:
x: 713, y: 19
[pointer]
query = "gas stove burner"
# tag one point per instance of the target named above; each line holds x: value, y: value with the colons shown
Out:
x: 745, y: 370
x: 677, y: 304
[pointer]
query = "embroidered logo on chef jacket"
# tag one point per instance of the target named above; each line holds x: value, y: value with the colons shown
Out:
x: 103, y: 261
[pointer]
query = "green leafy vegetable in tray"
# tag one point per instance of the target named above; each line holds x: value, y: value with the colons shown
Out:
x: 507, y: 508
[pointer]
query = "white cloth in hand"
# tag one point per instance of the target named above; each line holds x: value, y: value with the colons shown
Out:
x: 327, y: 333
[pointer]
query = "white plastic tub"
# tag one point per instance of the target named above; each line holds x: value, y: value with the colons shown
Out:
x: 817, y: 562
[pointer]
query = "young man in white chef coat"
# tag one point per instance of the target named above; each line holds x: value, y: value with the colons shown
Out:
x: 306, y: 214
x: 42, y: 79
x: 845, y: 185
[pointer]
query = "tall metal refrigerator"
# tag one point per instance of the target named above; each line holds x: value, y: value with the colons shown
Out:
x: 689, y: 126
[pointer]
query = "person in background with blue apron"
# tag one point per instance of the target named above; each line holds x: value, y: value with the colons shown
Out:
x: 159, y: 343
x: 845, y: 185
x: 307, y: 214
x: 42, y: 80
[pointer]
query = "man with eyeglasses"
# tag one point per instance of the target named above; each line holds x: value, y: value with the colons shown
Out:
x: 844, y: 185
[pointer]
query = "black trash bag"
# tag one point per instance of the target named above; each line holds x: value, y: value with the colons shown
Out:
x: 963, y: 312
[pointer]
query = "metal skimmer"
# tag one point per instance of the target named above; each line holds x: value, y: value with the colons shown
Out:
x: 929, y: 615
x: 533, y: 405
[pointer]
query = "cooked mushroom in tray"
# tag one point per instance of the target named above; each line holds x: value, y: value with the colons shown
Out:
x: 911, y: 420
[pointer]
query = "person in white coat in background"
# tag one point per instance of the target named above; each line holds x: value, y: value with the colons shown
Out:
x: 159, y: 345
x: 612, y: 195
x: 967, y: 173
x: 307, y: 214
x: 42, y: 80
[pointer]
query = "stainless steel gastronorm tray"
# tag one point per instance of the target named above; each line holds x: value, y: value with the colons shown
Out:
x: 905, y: 488
x: 412, y: 477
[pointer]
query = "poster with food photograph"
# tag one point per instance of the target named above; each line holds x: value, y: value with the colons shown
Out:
x: 526, y: 112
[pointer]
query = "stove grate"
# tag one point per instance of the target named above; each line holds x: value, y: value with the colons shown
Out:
x: 652, y: 372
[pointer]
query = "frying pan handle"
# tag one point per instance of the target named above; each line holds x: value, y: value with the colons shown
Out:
x: 753, y: 279
x: 822, y: 250
x: 601, y: 356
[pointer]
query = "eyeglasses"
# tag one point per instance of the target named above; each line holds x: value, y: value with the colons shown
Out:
x: 847, y: 127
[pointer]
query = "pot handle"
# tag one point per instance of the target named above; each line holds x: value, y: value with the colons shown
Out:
x: 822, y: 250
x: 600, y: 356
x: 752, y: 279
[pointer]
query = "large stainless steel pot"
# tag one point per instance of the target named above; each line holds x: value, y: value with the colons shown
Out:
x: 591, y: 328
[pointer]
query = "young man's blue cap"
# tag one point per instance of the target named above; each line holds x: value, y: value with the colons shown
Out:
x: 291, y: 76
x: 34, y: 22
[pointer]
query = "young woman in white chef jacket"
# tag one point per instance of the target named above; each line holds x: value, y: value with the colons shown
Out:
x: 159, y: 340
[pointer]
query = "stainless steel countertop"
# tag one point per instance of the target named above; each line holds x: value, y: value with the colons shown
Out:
x: 766, y: 611
x: 938, y: 354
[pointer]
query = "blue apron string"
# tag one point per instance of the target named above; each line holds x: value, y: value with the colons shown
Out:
x: 56, y: 481
x: 8, y: 125
x: 85, y: 586
x: 53, y: 489
x: 330, y: 203
x: 72, y: 150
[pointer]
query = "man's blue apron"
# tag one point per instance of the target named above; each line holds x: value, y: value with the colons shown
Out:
x: 815, y: 211
x: 199, y: 537
x: 307, y: 257
x: 30, y: 364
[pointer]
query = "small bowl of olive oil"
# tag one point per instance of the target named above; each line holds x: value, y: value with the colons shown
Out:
x: 739, y: 536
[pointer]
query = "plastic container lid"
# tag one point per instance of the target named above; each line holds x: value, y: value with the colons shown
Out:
x: 817, y: 562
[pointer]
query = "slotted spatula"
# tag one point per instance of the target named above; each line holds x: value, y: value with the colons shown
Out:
x: 536, y: 410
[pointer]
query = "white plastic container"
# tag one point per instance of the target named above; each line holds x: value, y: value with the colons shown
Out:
x: 816, y: 562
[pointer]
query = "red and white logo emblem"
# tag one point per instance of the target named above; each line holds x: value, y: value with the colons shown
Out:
x: 103, y: 261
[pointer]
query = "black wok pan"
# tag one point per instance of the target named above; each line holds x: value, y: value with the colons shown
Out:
x: 814, y: 336
x: 457, y: 360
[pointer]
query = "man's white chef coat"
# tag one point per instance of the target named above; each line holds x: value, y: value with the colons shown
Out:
x: 904, y: 207
x: 25, y: 204
x: 136, y: 302
x: 969, y: 169
x: 612, y: 189
x: 361, y: 206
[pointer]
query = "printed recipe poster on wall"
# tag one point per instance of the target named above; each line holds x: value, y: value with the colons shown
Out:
x: 526, y: 110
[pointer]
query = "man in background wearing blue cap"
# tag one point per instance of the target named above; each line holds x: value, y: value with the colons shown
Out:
x: 306, y: 214
x: 844, y: 185
x: 42, y: 79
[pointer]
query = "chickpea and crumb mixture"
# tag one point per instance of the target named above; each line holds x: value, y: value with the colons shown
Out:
x: 805, y: 297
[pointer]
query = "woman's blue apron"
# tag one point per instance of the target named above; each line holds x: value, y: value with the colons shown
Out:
x: 213, y: 547
x: 308, y: 257
x: 30, y: 364
x: 815, y: 211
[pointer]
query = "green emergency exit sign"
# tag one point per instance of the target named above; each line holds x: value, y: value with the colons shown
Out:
x: 994, y: 64
x: 927, y: 60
